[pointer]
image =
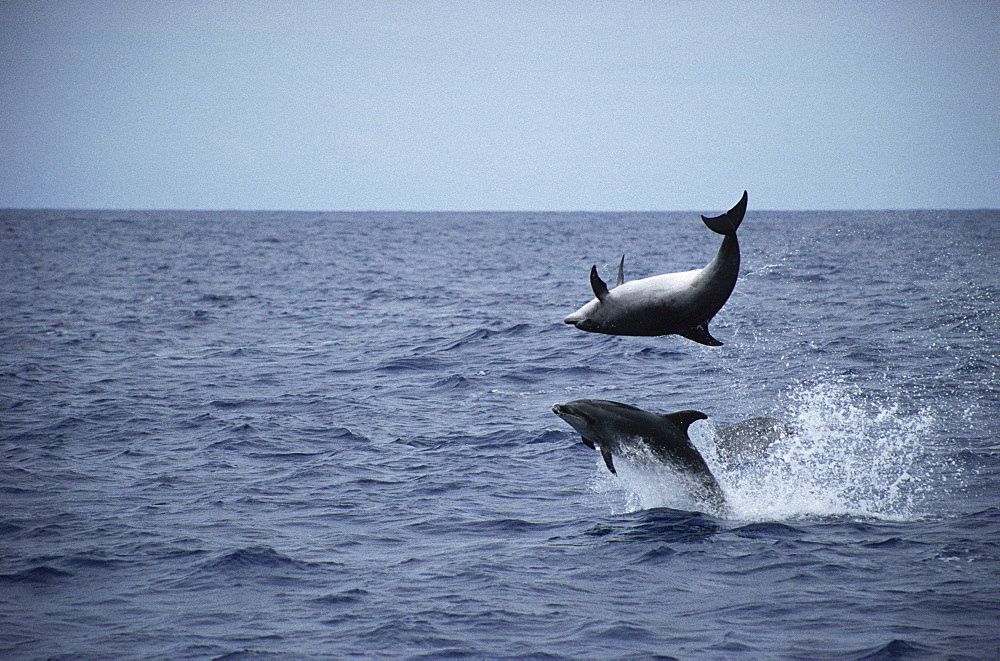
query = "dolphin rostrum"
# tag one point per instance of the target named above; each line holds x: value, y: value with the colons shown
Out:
x: 673, y: 303
x: 614, y: 427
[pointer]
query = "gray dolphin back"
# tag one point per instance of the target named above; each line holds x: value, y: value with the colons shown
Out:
x: 749, y: 439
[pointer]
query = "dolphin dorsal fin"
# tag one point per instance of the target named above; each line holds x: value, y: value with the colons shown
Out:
x: 621, y: 273
x: 700, y: 335
x: 729, y: 221
x: 683, y: 419
x: 600, y: 289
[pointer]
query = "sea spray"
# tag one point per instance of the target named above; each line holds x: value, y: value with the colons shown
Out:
x: 640, y: 484
x: 851, y: 454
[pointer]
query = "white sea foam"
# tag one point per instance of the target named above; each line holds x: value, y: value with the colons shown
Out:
x: 851, y: 455
x: 641, y: 485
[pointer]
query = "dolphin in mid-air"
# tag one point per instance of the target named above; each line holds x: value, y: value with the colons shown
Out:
x: 613, y: 428
x: 673, y: 303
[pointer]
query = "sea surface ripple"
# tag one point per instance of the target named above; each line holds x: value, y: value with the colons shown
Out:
x: 313, y: 435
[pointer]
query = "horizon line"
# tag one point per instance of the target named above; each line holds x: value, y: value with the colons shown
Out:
x: 461, y: 211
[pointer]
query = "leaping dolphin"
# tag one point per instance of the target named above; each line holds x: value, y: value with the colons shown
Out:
x: 614, y: 427
x: 749, y: 440
x: 673, y: 303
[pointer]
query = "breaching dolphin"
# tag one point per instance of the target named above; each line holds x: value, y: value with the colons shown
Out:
x: 673, y: 303
x: 614, y: 427
x: 750, y: 439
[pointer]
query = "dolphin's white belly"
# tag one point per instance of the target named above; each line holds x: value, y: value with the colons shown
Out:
x: 651, y: 306
x: 655, y: 290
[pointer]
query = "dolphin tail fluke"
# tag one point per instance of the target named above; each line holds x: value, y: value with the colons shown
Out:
x: 729, y: 221
x: 700, y: 335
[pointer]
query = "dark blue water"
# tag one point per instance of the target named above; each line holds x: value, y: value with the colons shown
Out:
x: 246, y: 435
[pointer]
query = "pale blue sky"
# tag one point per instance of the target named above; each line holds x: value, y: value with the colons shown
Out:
x: 542, y: 105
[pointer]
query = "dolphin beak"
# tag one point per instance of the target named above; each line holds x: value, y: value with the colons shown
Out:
x: 571, y: 320
x: 557, y: 409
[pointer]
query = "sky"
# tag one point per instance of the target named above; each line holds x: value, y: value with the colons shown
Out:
x: 499, y: 105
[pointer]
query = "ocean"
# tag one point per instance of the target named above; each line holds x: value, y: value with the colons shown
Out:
x: 322, y: 435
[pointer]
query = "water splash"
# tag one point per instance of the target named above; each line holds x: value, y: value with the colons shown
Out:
x: 641, y: 485
x: 852, y: 454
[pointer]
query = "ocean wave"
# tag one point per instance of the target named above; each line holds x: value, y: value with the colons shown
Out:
x: 453, y: 382
x: 769, y: 530
x: 476, y: 337
x: 419, y: 364
x: 267, y: 435
x: 42, y: 575
x: 895, y: 649
x: 260, y: 559
x: 350, y: 597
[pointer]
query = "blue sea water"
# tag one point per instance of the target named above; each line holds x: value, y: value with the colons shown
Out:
x: 313, y: 435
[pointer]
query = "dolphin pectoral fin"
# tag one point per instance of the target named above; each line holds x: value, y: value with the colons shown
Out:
x: 621, y: 273
x: 729, y: 221
x: 589, y: 443
x: 700, y: 335
x: 608, y: 462
x: 600, y: 289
